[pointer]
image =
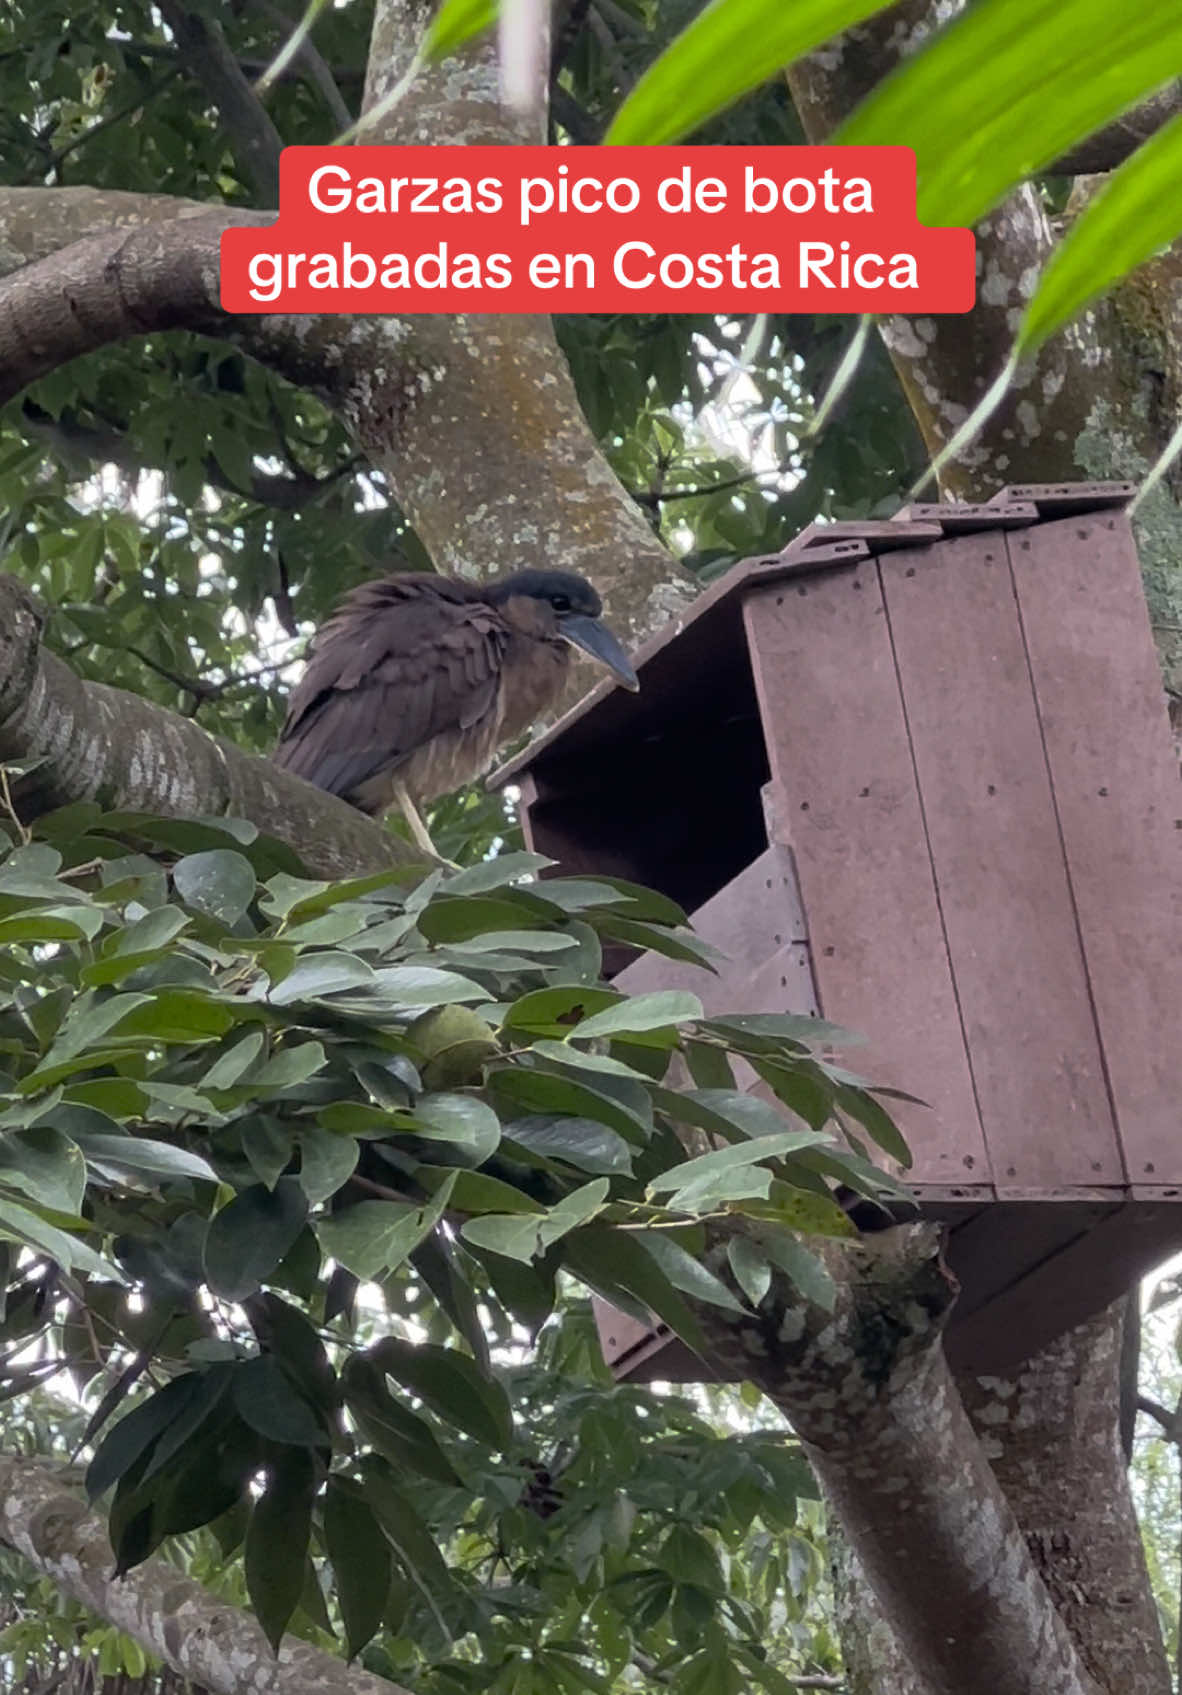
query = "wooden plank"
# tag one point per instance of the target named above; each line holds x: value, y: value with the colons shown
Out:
x: 880, y: 535
x: 1008, y: 1240
x: 838, y: 750
x: 759, y: 910
x: 1115, y: 781
x: 1000, y: 871
x: 955, y: 516
x: 1091, y: 1272
x: 647, y: 1353
x: 1060, y: 500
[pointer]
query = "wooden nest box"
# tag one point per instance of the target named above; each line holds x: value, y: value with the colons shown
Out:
x: 917, y: 776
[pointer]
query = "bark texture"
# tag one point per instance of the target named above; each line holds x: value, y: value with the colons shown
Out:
x: 218, y: 1648
x: 868, y: 1391
x: 1052, y: 1424
x: 103, y: 744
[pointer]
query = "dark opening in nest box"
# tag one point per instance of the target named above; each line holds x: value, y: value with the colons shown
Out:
x: 917, y: 776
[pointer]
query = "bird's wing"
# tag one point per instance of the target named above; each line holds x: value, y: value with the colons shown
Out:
x: 397, y: 665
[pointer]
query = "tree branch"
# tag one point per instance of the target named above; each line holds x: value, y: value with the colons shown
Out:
x: 83, y: 268
x: 315, y: 65
x: 100, y: 743
x: 1111, y: 146
x: 245, y: 119
x: 214, y: 1646
x: 868, y: 1391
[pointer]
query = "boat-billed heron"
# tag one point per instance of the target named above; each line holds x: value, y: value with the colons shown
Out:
x: 415, y: 681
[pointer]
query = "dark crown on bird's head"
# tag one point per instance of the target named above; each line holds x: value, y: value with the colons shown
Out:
x: 563, y: 592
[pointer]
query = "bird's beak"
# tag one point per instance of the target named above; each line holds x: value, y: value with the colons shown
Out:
x: 597, y: 640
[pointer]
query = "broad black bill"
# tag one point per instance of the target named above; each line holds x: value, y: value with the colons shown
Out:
x: 597, y: 640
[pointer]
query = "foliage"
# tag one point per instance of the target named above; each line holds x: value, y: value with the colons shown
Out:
x: 243, y: 1094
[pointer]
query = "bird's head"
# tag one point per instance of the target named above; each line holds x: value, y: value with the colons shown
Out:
x: 559, y: 604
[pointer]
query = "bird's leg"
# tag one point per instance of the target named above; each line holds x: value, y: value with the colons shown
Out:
x: 414, y: 822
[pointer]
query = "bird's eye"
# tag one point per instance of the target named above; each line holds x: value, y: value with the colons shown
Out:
x: 560, y: 602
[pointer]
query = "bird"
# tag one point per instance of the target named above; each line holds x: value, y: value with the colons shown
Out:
x: 415, y: 681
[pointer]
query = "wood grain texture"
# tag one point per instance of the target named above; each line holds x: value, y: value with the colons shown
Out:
x: 1116, y: 789
x: 839, y: 755
x: 999, y: 866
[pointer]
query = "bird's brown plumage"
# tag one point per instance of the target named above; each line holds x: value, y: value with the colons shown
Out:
x: 418, y: 680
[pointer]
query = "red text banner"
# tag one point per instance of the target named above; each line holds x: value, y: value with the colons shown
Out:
x: 597, y: 229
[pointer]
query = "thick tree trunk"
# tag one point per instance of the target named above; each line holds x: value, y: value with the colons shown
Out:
x: 1047, y: 1429
x: 868, y: 1391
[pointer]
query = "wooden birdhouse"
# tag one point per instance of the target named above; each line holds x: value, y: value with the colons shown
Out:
x: 917, y: 776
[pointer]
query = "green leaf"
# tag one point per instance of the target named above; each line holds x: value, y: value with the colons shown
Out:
x: 642, y: 1012
x: 523, y: 1238
x: 644, y: 903
x: 422, y: 985
x: 86, y: 1025
x: 360, y: 1558
x: 449, y: 920
x: 147, y: 935
x: 452, y: 1385
x: 564, y: 1053
x: 805, y: 1211
x: 455, y: 22
x: 371, y: 1237
x: 45, y: 1165
x: 581, y: 1142
x: 277, y: 1542
x: 803, y: 1268
x: 496, y: 873
x: 611, y: 1262
x: 267, y: 1144
x: 315, y: 975
x: 21, y: 1224
x: 688, y: 1274
x: 749, y: 1114
x: 682, y: 945
x: 143, y: 1157
x: 514, y: 1236
x: 393, y: 1429
x: 552, y: 1012
x: 416, y: 1547
x: 874, y: 1119
x: 268, y: 1401
x: 728, y: 1159
x: 247, y: 1239
x: 777, y: 1027
x: 201, y: 1405
x: 751, y: 1268
x: 689, y: 1557
x: 51, y: 924
x: 545, y: 1092
x: 220, y: 883
x: 1135, y: 215
x: 135, y: 1432
x: 709, y: 1066
x: 460, y: 1119
x: 177, y: 1015
x: 289, y: 1066
x: 230, y: 1066
x: 326, y: 1162
x: 477, y: 1192
x: 1006, y: 88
